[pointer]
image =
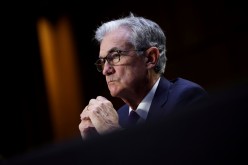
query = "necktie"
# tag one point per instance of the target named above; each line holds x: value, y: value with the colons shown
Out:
x: 133, y: 118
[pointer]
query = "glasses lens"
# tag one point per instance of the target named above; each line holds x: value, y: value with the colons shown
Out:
x: 111, y: 58
x: 115, y: 58
x: 99, y: 64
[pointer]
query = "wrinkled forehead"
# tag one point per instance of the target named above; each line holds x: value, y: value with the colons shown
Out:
x: 117, y: 39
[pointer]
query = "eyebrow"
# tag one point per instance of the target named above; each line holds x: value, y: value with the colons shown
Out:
x: 114, y: 49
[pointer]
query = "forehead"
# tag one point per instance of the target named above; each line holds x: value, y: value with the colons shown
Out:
x: 116, y: 39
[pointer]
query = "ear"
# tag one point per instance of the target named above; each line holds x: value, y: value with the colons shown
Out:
x: 152, y: 55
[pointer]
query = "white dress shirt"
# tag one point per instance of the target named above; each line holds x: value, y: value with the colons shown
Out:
x: 144, y: 106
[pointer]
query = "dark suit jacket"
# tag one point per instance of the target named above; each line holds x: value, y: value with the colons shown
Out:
x: 170, y: 96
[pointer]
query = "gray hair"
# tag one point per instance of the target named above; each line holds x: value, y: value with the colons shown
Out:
x: 144, y: 33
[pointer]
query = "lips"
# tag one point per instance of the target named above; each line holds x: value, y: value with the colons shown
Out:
x: 111, y: 80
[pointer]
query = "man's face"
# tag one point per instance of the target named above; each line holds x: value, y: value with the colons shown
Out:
x: 128, y: 76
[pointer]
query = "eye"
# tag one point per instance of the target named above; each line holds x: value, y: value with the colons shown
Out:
x: 112, y: 57
x: 115, y: 56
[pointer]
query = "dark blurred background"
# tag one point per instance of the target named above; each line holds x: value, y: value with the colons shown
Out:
x: 48, y: 59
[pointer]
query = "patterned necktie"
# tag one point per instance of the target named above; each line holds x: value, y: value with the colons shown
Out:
x: 133, y: 118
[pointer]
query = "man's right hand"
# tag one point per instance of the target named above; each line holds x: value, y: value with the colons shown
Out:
x: 98, y: 117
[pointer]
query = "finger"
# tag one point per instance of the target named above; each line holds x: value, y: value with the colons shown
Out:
x: 105, y: 101
x: 103, y: 123
x: 101, y: 98
x: 102, y: 114
x: 98, y: 120
x: 97, y: 110
x: 105, y: 105
x: 84, y: 124
x: 93, y: 102
x: 84, y: 113
x: 86, y: 128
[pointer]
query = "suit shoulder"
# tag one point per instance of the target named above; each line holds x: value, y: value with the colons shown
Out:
x: 186, y: 89
x: 185, y: 83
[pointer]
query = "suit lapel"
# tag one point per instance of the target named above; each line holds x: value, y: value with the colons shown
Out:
x: 160, y: 98
x: 123, y: 115
x: 158, y: 102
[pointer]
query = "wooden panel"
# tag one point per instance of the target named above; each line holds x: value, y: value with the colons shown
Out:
x: 62, y: 77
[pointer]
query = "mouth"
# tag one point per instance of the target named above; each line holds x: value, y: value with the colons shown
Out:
x: 111, y: 81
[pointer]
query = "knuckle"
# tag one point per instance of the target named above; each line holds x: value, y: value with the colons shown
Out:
x: 95, y: 111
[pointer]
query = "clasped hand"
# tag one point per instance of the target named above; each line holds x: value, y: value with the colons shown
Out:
x: 98, y: 117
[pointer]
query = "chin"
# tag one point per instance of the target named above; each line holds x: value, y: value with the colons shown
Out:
x: 113, y: 92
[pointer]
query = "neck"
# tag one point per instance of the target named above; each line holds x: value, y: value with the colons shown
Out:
x: 138, y: 95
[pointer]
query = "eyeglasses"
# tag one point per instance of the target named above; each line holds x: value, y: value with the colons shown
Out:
x: 112, y: 58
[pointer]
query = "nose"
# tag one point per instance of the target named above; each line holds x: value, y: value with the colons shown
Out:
x: 107, y: 69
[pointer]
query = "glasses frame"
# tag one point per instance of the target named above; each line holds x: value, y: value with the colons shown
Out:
x: 110, y: 59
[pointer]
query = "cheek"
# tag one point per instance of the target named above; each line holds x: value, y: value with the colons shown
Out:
x: 132, y: 74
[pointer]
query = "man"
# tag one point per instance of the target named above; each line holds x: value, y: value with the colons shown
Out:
x: 133, y: 60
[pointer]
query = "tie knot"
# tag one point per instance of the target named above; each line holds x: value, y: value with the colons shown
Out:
x: 133, y: 118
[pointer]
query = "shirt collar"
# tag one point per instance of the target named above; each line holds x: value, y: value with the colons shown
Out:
x: 144, y: 106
